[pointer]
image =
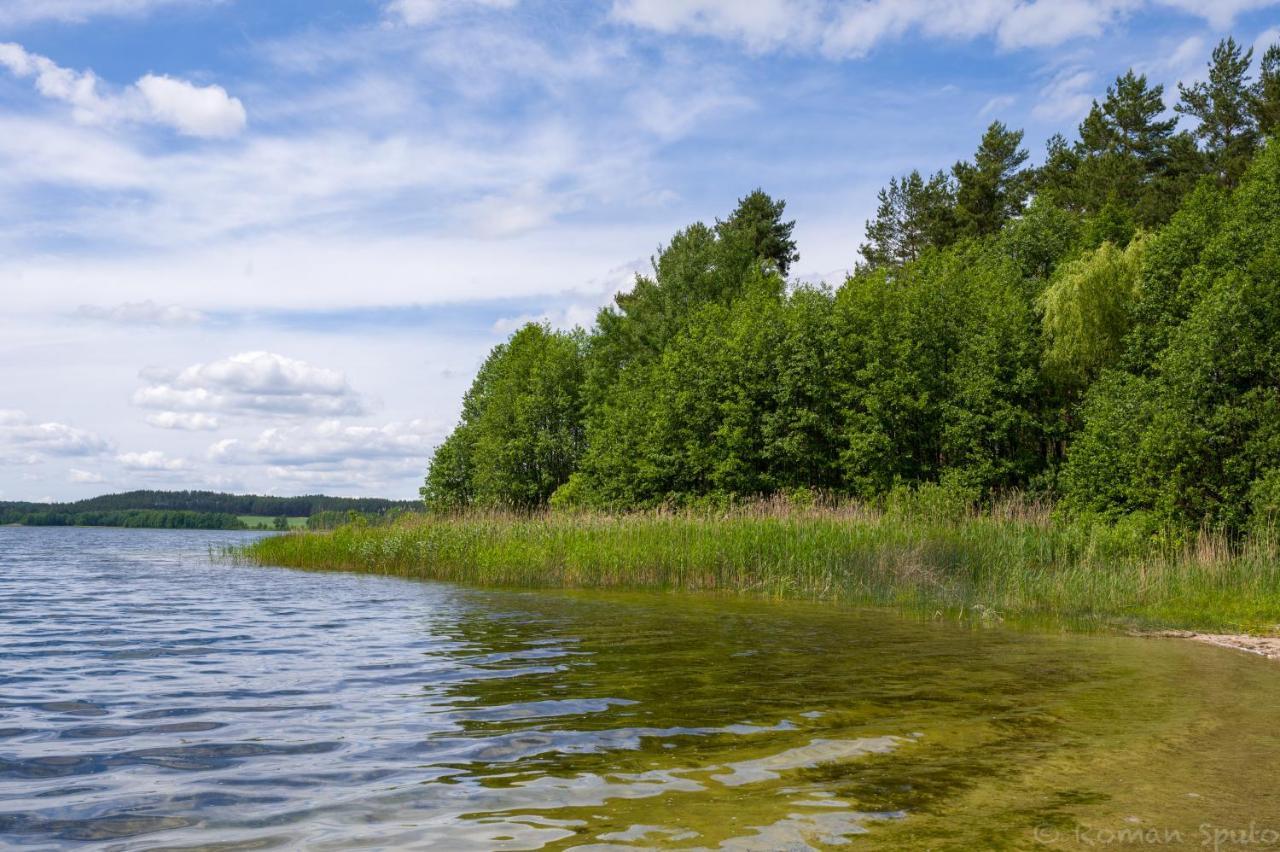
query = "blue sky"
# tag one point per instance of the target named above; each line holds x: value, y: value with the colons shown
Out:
x: 264, y: 246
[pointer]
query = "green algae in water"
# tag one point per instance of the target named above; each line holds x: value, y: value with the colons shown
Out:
x: 721, y: 724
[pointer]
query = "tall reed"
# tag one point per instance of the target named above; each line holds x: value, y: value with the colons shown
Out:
x: 1012, y: 559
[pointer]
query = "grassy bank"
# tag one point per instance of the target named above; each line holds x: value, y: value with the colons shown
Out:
x: 1013, y: 560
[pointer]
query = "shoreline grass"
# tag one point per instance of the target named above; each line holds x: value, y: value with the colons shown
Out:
x: 1013, y: 560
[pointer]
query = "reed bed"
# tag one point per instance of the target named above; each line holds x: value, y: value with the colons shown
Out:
x: 1009, y: 560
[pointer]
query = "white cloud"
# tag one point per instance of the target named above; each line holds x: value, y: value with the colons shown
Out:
x: 252, y: 382
x: 203, y: 111
x: 760, y: 25
x: 331, y: 444
x: 152, y: 460
x: 1265, y: 39
x: 563, y: 319
x: 185, y: 421
x: 141, y: 313
x: 852, y: 29
x: 418, y: 12
x: 33, y: 440
x: 19, y: 12
x: 1067, y: 96
x: 84, y: 477
x: 996, y: 105
x: 1220, y: 14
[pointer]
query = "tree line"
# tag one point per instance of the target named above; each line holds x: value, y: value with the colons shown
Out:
x: 1102, y: 330
x: 195, y: 509
x: 133, y: 518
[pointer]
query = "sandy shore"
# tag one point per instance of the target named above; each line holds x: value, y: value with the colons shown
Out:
x: 1263, y: 646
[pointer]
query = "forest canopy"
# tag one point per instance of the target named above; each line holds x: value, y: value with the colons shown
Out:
x: 1101, y: 330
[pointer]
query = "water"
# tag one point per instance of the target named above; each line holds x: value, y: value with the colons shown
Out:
x: 151, y: 699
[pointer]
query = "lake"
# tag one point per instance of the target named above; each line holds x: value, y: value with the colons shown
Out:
x: 151, y: 697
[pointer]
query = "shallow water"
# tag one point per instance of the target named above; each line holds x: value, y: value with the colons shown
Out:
x: 152, y: 699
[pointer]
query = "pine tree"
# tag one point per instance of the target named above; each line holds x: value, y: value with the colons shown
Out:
x: 759, y: 218
x: 1266, y: 107
x: 913, y: 214
x: 994, y: 187
x: 1224, y: 107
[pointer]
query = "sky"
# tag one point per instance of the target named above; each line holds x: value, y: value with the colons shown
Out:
x: 264, y: 246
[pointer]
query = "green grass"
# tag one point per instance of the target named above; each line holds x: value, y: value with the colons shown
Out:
x: 1011, y: 561
x: 268, y: 521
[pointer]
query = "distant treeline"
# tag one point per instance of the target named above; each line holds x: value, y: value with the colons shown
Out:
x: 1101, y: 330
x: 195, y: 510
x: 138, y: 518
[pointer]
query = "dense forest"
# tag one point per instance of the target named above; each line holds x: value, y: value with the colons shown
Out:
x: 1101, y: 330
x: 192, y: 509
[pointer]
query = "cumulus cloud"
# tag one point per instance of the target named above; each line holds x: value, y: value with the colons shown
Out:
x: 852, y: 29
x: 84, y: 477
x: 141, y: 313
x: 191, y: 110
x: 31, y: 440
x: 418, y: 12
x: 152, y: 460
x: 185, y: 421
x: 253, y: 382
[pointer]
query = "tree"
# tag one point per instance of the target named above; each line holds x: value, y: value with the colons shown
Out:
x: 1266, y: 107
x: 913, y: 214
x: 521, y: 432
x: 1223, y: 106
x: 1087, y: 310
x: 994, y: 187
x: 1126, y: 151
x: 759, y: 218
x: 1190, y: 437
x: 280, y: 522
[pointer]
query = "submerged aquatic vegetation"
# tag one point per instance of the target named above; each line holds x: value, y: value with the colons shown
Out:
x: 1010, y: 560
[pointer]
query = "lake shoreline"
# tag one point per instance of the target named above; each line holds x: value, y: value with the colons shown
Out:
x: 990, y: 567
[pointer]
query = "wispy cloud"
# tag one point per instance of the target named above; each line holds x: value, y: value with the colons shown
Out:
x: 843, y: 30
x: 20, y: 12
x: 141, y: 313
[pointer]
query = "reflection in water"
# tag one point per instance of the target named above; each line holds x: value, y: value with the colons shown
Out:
x: 149, y: 698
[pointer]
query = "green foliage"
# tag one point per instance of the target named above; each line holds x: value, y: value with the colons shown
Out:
x: 758, y: 221
x: 913, y: 214
x: 522, y: 428
x: 131, y: 518
x: 1188, y: 434
x: 993, y: 188
x: 1266, y: 107
x: 931, y: 551
x: 1087, y: 309
x: 1102, y: 329
x: 1224, y: 107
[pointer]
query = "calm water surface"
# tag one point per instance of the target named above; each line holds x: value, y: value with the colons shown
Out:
x: 150, y: 698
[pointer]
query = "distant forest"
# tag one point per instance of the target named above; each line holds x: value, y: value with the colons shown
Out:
x: 194, y: 509
x: 1101, y: 330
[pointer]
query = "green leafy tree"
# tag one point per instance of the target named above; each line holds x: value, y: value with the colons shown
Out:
x: 521, y: 432
x: 1202, y: 425
x: 1087, y: 312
